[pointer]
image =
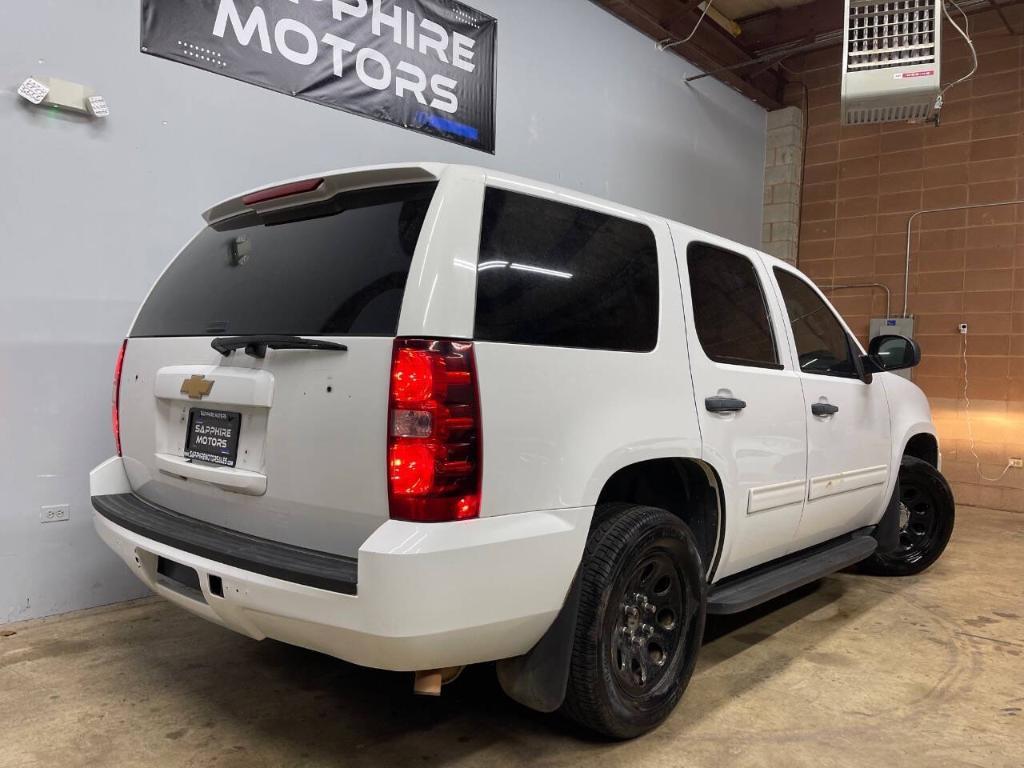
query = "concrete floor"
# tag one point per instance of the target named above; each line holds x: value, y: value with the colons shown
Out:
x: 853, y: 671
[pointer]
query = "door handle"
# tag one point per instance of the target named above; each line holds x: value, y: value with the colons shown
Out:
x: 824, y: 409
x: 724, y: 404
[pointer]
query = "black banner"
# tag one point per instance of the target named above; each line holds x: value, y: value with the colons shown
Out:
x: 426, y: 65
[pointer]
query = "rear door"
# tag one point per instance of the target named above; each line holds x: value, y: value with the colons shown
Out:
x: 289, y: 446
x: 848, y: 429
x: 748, y: 399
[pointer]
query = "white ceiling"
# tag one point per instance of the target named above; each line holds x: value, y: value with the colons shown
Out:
x: 738, y: 9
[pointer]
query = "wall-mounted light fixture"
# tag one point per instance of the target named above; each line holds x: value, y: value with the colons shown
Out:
x: 61, y: 94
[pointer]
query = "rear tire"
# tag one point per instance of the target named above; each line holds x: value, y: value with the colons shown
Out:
x: 643, y: 598
x: 927, y: 515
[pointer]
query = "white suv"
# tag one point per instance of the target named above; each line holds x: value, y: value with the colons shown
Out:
x: 423, y: 416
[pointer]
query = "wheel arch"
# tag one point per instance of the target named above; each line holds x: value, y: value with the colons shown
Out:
x: 689, y: 488
x: 685, y: 486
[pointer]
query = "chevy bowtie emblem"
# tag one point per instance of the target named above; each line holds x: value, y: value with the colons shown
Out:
x: 196, y: 387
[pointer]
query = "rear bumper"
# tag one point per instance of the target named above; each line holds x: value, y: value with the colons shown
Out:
x: 427, y: 595
x: 334, y: 573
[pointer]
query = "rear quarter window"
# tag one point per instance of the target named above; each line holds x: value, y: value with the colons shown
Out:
x: 336, y: 268
x: 729, y: 308
x: 553, y: 274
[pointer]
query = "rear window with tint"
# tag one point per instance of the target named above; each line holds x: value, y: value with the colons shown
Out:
x: 552, y: 274
x: 337, y: 268
x: 729, y: 308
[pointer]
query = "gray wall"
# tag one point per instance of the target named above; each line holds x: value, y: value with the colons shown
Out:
x: 91, y: 212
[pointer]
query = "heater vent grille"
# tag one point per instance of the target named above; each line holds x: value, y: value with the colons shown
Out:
x: 891, y: 61
x: 899, y: 113
x: 891, y: 34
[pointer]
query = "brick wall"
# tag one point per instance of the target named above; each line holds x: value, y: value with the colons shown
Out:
x: 861, y: 184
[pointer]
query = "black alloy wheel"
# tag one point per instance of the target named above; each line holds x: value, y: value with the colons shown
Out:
x: 650, y: 624
x: 927, y: 516
x: 919, y: 524
x: 640, y: 621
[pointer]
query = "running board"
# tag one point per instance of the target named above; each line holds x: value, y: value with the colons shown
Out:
x: 767, y: 582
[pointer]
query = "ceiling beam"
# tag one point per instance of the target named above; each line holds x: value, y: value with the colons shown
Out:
x: 1002, y: 16
x: 783, y: 27
x: 710, y: 48
x: 786, y: 26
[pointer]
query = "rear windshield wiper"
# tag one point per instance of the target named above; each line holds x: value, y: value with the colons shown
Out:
x: 257, y: 346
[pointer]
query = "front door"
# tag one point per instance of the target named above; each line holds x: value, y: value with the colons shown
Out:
x: 847, y: 419
x: 748, y: 399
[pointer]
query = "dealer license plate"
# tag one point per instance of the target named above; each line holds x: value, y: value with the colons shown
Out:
x: 213, y: 436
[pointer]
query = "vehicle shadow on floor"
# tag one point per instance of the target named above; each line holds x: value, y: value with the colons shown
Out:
x: 230, y: 697
x: 745, y: 650
x: 318, y: 708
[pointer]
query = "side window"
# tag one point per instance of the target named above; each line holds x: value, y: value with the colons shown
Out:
x: 821, y: 341
x: 729, y: 308
x: 552, y: 274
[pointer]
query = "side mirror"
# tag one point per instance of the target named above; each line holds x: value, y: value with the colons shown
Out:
x: 892, y: 353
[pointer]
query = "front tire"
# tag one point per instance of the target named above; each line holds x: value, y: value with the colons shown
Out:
x: 641, y: 617
x: 927, y: 515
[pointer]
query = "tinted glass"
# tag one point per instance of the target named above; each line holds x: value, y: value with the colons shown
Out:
x: 821, y: 342
x: 556, y: 275
x: 337, y: 268
x: 729, y: 308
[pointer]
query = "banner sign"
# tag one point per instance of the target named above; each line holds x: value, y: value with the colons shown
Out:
x: 426, y: 65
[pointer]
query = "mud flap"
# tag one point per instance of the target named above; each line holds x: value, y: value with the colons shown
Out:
x: 887, y: 532
x: 538, y: 679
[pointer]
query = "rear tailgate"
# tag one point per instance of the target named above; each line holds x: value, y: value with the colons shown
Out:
x: 291, y: 446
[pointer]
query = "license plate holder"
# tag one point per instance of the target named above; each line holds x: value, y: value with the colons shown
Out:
x: 212, y: 436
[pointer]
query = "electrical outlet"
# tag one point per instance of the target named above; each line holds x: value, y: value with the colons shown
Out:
x: 963, y: 328
x: 58, y: 513
x: 1016, y: 462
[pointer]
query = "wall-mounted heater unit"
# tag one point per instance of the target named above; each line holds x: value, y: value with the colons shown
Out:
x: 891, y: 60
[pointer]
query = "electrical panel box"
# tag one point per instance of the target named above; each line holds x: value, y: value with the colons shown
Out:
x: 899, y: 326
x: 891, y: 56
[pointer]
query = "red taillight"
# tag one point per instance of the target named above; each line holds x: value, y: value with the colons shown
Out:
x: 416, y: 376
x: 434, y: 451
x: 285, y: 190
x: 115, y: 399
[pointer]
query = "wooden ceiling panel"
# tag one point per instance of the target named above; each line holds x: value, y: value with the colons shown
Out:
x: 741, y: 9
x: 711, y: 47
x: 771, y: 31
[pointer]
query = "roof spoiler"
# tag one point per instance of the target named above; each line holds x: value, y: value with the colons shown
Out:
x: 319, y: 188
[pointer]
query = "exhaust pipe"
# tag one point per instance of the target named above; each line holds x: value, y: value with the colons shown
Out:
x: 428, y: 682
